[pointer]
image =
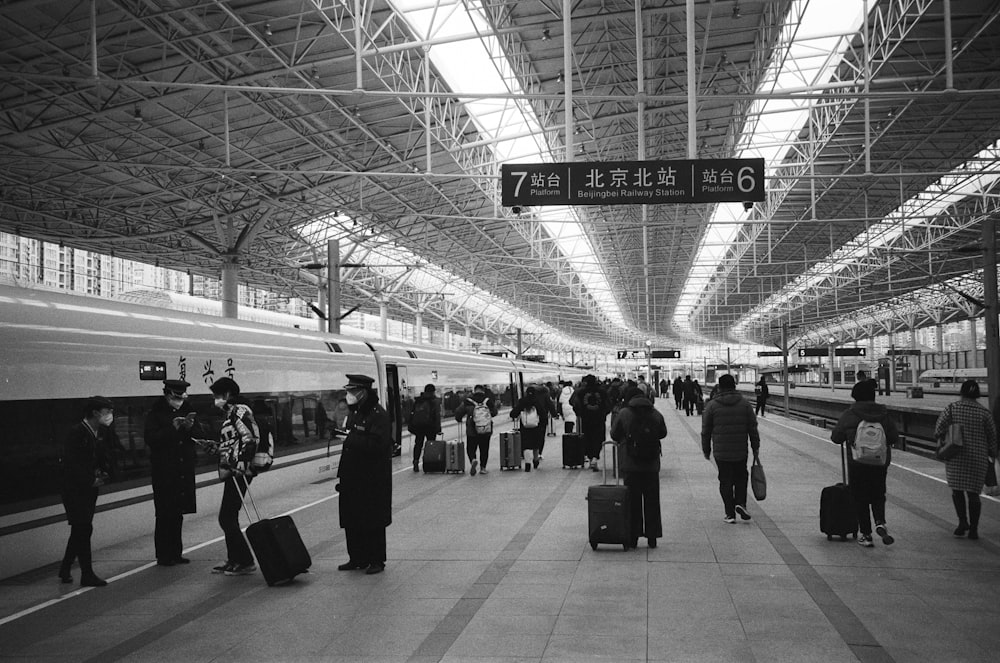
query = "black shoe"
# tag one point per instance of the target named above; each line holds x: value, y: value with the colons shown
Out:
x: 651, y: 542
x: 65, y: 577
x: 961, y: 529
x: 374, y: 568
x: 92, y: 581
x: 742, y: 511
x: 182, y: 560
x: 351, y: 566
x: 166, y: 562
x: 974, y: 533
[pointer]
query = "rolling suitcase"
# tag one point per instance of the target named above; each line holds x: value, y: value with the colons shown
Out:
x: 435, y: 459
x: 572, y: 450
x: 455, y: 456
x: 837, y: 516
x: 276, y: 544
x: 609, y: 517
x: 510, y: 450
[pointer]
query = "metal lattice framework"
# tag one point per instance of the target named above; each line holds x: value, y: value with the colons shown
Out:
x: 191, y: 133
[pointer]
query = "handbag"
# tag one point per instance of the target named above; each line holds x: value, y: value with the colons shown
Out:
x: 991, y: 488
x: 758, y: 482
x: 951, y: 446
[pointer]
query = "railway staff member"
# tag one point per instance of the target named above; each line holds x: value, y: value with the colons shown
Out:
x: 169, y: 432
x: 365, y: 475
x: 84, y: 469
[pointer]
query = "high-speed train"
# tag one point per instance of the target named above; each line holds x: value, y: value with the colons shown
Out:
x: 57, y: 349
x: 949, y: 380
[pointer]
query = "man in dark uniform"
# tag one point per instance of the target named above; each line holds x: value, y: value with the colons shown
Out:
x: 365, y: 475
x: 169, y: 427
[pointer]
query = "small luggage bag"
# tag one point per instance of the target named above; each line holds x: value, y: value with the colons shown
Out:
x: 276, y: 544
x: 609, y: 517
x: 510, y: 450
x: 572, y: 450
x: 837, y: 516
x: 455, y: 456
x: 435, y: 459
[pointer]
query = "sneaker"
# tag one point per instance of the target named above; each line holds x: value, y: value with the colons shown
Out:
x: 241, y: 569
x: 741, y: 510
x: 730, y: 519
x: 541, y: 457
x: 351, y: 566
x: 883, y: 532
x: 222, y: 568
x: 484, y: 471
x: 866, y: 541
x: 416, y: 466
x: 535, y: 462
x: 472, y: 468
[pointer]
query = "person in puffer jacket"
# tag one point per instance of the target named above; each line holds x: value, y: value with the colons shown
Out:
x: 642, y: 475
x: 565, y: 408
x: 728, y: 422
x: 478, y: 441
x: 867, y: 482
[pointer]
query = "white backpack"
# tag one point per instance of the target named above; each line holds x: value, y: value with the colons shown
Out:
x: 869, y: 444
x: 529, y: 417
x: 481, y: 417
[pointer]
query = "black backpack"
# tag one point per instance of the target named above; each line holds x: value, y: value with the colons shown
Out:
x: 592, y: 401
x: 643, y: 441
x: 421, y: 418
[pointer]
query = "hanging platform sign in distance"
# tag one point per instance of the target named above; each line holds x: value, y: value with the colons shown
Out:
x: 632, y: 354
x: 666, y: 354
x: 771, y: 353
x: 632, y: 182
x: 849, y: 352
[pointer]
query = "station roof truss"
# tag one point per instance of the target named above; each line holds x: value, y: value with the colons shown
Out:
x: 199, y: 131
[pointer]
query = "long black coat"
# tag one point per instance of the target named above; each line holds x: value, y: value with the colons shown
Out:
x: 83, y: 456
x: 172, y: 459
x: 365, y: 470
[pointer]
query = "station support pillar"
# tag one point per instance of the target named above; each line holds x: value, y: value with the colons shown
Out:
x: 230, y: 287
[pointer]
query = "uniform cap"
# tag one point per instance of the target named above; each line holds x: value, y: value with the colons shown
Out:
x: 178, y: 387
x: 359, y: 381
x: 97, y: 403
x: 225, y: 386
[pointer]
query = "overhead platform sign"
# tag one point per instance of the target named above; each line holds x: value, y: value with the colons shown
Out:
x: 632, y: 182
x: 825, y: 352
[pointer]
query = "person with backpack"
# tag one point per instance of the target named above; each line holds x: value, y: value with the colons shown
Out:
x: 532, y: 414
x: 424, y: 421
x: 967, y: 470
x: 728, y: 423
x: 638, y: 430
x: 762, y: 392
x: 478, y: 411
x: 646, y: 389
x: 591, y: 406
x: 664, y: 387
x: 565, y: 409
x: 870, y: 435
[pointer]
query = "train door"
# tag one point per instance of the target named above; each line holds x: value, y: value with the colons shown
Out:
x: 393, y: 407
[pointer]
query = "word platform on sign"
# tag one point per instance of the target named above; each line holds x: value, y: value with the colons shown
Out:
x: 633, y: 182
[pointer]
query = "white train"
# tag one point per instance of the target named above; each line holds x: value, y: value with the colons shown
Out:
x: 949, y: 380
x: 57, y: 349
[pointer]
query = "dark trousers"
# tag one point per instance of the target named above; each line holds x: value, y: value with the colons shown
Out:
x: 733, y: 477
x: 975, y: 508
x: 678, y: 400
x: 568, y: 427
x: 480, y: 443
x: 78, y: 547
x: 761, y: 402
x: 237, y: 550
x: 418, y: 444
x: 365, y: 545
x: 167, y: 537
x: 688, y: 406
x: 867, y: 484
x: 644, y: 503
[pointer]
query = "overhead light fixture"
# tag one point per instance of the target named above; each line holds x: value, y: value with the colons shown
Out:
x: 315, y: 73
x: 736, y: 10
x: 545, y: 34
x: 267, y: 29
x: 559, y: 78
x: 137, y: 116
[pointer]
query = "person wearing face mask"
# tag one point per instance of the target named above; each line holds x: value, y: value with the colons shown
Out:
x: 365, y: 475
x: 169, y: 431
x: 237, y: 445
x: 84, y: 469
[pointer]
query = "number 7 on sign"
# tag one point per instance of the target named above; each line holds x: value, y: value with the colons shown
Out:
x: 520, y: 175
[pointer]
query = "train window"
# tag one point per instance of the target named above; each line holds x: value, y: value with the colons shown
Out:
x: 412, y: 354
x: 333, y: 347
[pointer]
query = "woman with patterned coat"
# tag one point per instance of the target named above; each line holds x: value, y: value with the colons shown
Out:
x: 967, y: 471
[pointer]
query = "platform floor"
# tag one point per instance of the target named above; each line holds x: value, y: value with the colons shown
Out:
x: 498, y: 568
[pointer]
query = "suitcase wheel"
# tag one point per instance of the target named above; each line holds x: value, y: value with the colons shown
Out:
x: 625, y: 547
x: 843, y: 537
x: 829, y: 537
x: 593, y: 545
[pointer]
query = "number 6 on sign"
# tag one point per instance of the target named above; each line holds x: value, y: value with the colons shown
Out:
x: 745, y: 179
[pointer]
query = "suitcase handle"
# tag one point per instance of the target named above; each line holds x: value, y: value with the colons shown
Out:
x: 604, y: 473
x: 243, y: 495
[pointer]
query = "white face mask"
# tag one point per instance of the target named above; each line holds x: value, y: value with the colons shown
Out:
x: 107, y: 418
x: 352, y: 398
x: 220, y: 403
x: 175, y: 402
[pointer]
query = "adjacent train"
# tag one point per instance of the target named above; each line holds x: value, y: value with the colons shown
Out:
x: 56, y: 349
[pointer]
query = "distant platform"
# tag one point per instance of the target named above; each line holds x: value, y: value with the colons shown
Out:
x: 498, y: 568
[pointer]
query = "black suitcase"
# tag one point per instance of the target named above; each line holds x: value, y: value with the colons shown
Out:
x: 510, y: 450
x: 435, y: 455
x: 280, y: 552
x: 609, y: 517
x: 572, y: 450
x: 837, y: 516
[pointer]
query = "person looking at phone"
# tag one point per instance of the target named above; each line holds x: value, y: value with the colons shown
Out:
x: 171, y: 425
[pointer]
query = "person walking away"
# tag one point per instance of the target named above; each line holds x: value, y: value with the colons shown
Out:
x: 728, y: 423
x: 365, y: 475
x: 762, y: 393
x: 646, y: 389
x: 478, y: 411
x: 425, y: 421
x: 591, y: 406
x: 638, y: 430
x: 532, y: 415
x: 565, y: 408
x: 689, y: 396
x: 237, y: 445
x: 699, y: 397
x: 866, y: 425
x: 83, y: 470
x: 170, y: 431
x: 966, y: 471
x: 548, y: 402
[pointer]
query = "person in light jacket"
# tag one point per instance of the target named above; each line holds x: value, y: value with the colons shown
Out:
x: 867, y: 482
x: 726, y: 426
x: 966, y: 472
x: 565, y: 408
x: 642, y: 476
